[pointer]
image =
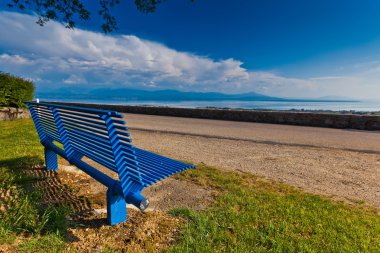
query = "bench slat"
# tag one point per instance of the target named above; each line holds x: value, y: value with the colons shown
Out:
x: 85, y: 134
x: 88, y: 151
x: 108, y: 152
x: 73, y: 126
x: 99, y: 122
x: 88, y: 140
x: 75, y: 122
x: 160, y: 169
x: 96, y: 121
x: 48, y: 128
x: 166, y: 167
x: 79, y: 114
x: 45, y: 114
x: 97, y: 159
x: 79, y: 109
x: 162, y: 166
x: 149, y: 156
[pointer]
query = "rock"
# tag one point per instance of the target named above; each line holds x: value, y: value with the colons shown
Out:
x: 11, y: 113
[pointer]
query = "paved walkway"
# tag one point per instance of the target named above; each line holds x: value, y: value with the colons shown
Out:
x: 362, y: 141
x: 344, y: 164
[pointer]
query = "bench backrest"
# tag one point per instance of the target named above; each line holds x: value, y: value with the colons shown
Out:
x: 97, y: 134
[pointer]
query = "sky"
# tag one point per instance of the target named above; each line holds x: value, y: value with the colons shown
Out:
x: 289, y: 48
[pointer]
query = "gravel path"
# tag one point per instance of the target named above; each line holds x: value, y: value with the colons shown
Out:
x: 343, y: 164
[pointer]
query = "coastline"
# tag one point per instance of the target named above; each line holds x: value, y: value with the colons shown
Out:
x: 370, y: 122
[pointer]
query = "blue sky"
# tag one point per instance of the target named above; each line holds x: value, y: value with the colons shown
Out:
x: 280, y: 48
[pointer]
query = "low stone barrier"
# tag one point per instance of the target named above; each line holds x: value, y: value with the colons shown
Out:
x: 331, y: 120
x: 11, y: 113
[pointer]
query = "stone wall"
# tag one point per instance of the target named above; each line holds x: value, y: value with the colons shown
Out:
x: 331, y: 120
x: 10, y: 113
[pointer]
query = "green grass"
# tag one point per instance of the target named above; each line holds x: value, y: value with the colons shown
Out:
x: 249, y: 214
x: 255, y: 215
x: 48, y: 243
x: 20, y: 149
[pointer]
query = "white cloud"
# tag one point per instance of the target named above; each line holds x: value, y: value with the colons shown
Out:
x: 108, y: 60
x: 55, y: 56
x: 75, y: 79
x: 14, y: 59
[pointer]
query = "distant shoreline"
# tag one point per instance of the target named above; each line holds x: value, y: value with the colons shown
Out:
x: 341, y: 120
x: 174, y: 100
x: 296, y: 105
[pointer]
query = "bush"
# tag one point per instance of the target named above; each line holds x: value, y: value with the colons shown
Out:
x: 15, y: 90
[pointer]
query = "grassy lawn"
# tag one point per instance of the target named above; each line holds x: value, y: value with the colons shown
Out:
x: 249, y: 214
x: 41, y: 227
x: 256, y: 215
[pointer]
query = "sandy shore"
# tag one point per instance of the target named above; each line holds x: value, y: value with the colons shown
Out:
x: 344, y: 164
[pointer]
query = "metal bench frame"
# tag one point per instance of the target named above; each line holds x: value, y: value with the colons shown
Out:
x: 101, y: 136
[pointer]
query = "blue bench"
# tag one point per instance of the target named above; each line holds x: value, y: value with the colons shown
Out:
x: 101, y: 136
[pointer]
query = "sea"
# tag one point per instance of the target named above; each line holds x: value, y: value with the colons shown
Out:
x: 339, y: 106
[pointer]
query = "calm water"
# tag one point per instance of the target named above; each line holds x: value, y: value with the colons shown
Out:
x: 362, y: 106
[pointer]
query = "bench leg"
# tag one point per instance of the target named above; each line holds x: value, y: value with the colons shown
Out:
x: 116, y: 208
x: 51, y: 159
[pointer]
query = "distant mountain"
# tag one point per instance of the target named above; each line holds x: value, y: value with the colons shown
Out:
x: 126, y: 94
x: 134, y: 95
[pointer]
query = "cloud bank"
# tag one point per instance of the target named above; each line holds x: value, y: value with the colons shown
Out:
x: 82, y: 57
x: 54, y: 57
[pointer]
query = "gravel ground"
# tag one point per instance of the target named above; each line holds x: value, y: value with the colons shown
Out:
x: 343, y: 164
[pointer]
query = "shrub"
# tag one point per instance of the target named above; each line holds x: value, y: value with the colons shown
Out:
x: 15, y: 90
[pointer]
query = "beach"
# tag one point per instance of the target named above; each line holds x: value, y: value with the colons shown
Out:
x: 342, y: 164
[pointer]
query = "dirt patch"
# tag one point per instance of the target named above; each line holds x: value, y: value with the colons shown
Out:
x: 4, y: 248
x: 173, y: 193
x: 7, y: 195
x: 142, y: 232
x: 56, y: 191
